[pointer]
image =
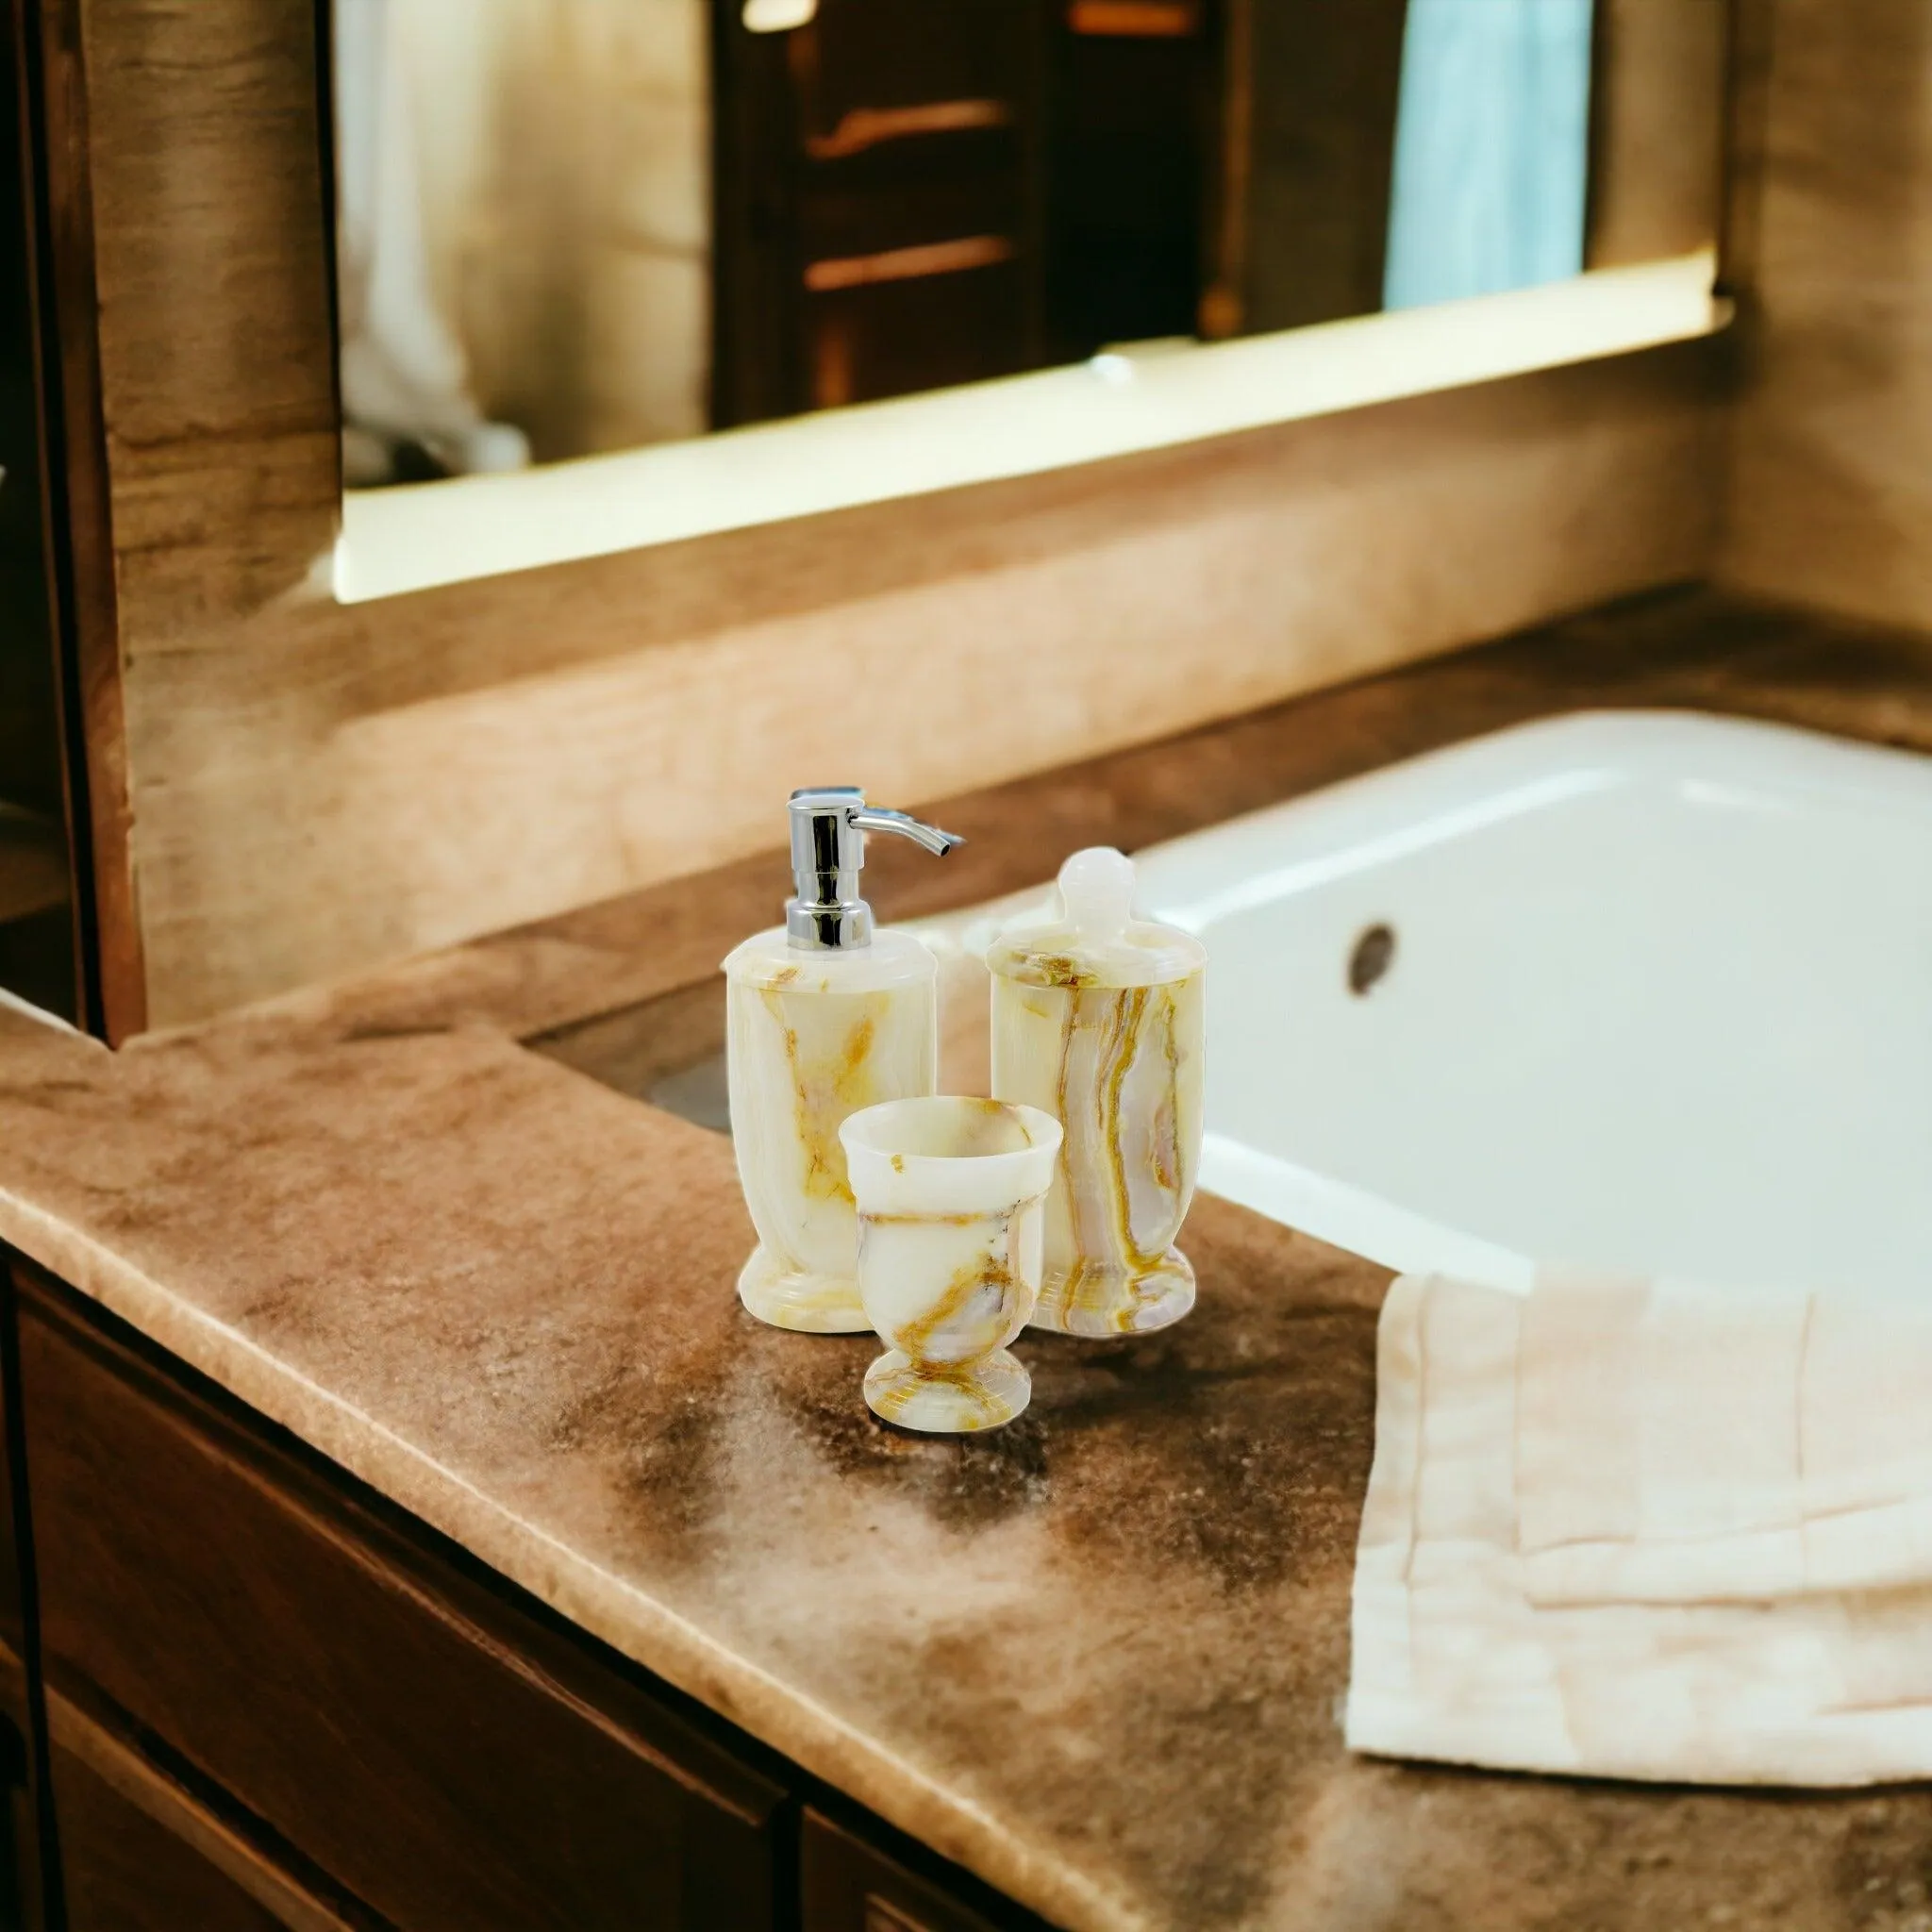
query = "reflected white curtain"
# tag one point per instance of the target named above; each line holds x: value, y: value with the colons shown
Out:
x: 1491, y: 148
x: 403, y: 374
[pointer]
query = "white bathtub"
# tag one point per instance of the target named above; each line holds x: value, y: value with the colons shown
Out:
x: 1659, y: 999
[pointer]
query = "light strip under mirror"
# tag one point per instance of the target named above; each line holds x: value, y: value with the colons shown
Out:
x: 1148, y: 397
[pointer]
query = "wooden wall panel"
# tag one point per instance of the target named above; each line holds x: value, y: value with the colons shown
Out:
x: 316, y: 788
x: 1831, y: 482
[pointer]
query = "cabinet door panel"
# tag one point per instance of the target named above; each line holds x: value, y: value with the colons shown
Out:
x: 849, y: 1886
x: 447, y: 1759
x: 23, y: 1899
x: 21, y: 1904
x: 127, y: 1873
x: 140, y: 1855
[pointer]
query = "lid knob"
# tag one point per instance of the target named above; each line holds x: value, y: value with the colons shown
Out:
x: 1097, y: 890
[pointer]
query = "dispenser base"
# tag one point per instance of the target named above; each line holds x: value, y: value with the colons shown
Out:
x: 1095, y: 1301
x: 954, y: 1402
x: 796, y: 1298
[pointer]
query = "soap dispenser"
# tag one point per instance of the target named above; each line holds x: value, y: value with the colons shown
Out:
x: 824, y: 1016
x: 1099, y: 1019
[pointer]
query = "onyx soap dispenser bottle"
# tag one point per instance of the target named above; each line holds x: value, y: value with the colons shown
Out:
x: 824, y: 1015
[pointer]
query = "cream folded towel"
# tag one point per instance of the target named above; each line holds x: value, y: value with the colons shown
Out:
x: 1679, y: 1443
x: 1648, y: 1530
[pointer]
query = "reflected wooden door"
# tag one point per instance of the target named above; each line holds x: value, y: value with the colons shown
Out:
x: 878, y: 211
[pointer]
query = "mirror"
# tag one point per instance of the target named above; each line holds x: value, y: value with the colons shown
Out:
x: 569, y: 228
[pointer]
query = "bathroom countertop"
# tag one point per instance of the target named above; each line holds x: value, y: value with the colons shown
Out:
x: 1098, y: 1658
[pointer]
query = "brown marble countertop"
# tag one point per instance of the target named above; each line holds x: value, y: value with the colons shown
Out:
x: 1098, y: 1658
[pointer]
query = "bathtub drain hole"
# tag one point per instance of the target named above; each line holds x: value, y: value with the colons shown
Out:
x: 1371, y: 956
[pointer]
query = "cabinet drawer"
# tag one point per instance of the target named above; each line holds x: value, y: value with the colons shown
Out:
x: 448, y: 1758
x: 849, y: 1886
x: 140, y: 1855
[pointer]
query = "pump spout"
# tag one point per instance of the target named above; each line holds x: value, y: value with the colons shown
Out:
x: 876, y: 819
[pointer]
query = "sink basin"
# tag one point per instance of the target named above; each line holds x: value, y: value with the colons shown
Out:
x: 1634, y: 990
x: 1642, y: 991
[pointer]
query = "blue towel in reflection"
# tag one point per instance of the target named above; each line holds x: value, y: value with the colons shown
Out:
x: 1491, y: 148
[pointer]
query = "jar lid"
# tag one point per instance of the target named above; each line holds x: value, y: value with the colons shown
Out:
x: 1096, y: 941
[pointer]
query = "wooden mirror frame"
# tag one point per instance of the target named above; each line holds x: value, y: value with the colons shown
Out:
x: 284, y: 787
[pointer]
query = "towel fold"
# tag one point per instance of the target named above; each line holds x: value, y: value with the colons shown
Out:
x: 1679, y: 1443
x: 1597, y: 1523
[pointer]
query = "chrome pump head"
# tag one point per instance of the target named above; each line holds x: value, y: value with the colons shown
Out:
x: 828, y: 827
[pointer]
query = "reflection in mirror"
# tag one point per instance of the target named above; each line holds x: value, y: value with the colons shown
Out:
x: 573, y: 226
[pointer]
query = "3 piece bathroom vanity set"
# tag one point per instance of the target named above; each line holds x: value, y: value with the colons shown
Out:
x: 949, y: 1223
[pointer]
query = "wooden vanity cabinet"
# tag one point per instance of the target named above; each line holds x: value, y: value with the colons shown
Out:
x: 447, y: 1759
x: 273, y: 1699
